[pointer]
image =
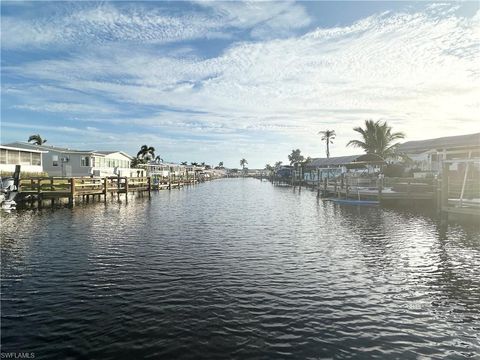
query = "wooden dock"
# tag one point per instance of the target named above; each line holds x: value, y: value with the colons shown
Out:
x: 37, y: 191
x: 42, y: 191
x: 383, y: 190
x: 458, y: 197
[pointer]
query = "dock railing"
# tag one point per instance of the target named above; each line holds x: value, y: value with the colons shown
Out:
x: 53, y: 188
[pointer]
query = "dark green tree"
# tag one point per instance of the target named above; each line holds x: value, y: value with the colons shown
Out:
x: 37, y: 139
x: 378, y: 138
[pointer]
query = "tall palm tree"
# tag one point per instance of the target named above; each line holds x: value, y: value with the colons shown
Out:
x: 37, y: 139
x: 243, y: 162
x: 328, y: 136
x: 146, y: 152
x: 158, y: 159
x: 277, y: 165
x: 183, y: 163
x: 378, y: 139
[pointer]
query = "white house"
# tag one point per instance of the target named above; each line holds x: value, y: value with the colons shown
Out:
x: 163, y: 170
x: 29, y: 159
x: 67, y: 162
x: 428, y: 155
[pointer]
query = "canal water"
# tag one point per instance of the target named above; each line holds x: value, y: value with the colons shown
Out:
x: 237, y: 268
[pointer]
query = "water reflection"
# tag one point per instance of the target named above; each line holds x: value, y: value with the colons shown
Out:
x: 237, y: 267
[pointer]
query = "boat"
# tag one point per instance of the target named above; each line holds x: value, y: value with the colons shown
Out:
x: 356, y: 202
x: 8, y: 192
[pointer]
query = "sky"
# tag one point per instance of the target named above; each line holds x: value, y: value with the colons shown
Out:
x: 222, y: 81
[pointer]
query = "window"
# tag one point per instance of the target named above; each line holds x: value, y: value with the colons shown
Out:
x: 3, y: 156
x: 25, y: 158
x: 13, y: 157
x: 85, y: 161
x: 54, y: 160
x: 36, y: 159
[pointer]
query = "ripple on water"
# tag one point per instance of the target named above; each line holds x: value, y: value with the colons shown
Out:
x: 238, y: 268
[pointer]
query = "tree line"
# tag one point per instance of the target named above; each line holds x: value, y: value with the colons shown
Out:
x: 377, y: 138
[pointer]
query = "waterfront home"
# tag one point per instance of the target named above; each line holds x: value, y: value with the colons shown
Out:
x: 66, y: 162
x: 284, y: 172
x: 329, y: 168
x: 162, y: 169
x: 428, y: 155
x: 30, y: 160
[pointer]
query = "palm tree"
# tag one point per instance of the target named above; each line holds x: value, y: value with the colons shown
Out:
x: 158, y: 159
x: 136, y: 162
x: 305, y: 162
x: 37, y: 139
x: 378, y: 139
x: 220, y: 164
x: 328, y: 136
x: 194, y: 163
x: 295, y: 157
x: 277, y: 165
x: 146, y: 152
x: 243, y: 162
x: 183, y: 163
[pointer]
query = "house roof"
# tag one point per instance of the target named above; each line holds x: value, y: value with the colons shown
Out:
x: 345, y: 160
x: 20, y: 149
x: 64, y: 150
x: 49, y: 148
x: 469, y: 140
x: 103, y: 152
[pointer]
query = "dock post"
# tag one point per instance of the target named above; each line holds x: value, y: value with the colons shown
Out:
x: 39, y: 194
x: 71, y: 199
x: 105, y: 187
x: 126, y: 189
x: 118, y: 187
x: 51, y: 189
x: 318, y: 182
x: 444, y: 199
x: 149, y: 182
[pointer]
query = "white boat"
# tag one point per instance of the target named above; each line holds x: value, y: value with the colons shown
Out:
x: 8, y: 192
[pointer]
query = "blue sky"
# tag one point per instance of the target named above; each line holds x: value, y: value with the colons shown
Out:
x: 221, y: 81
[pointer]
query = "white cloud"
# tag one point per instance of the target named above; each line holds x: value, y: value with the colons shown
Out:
x: 73, y: 108
x: 265, y: 19
x: 417, y: 70
x: 104, y: 23
x: 77, y: 24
